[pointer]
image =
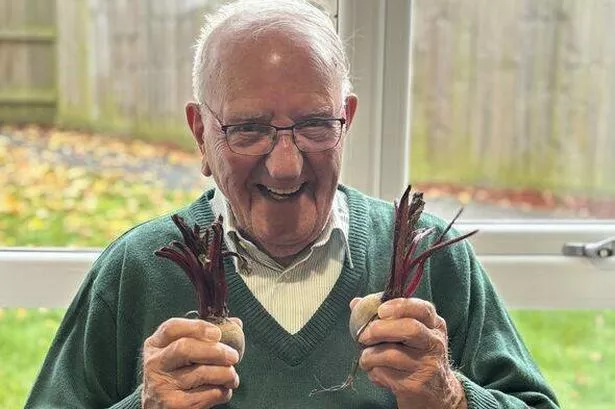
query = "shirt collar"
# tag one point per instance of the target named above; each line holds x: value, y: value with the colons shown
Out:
x: 338, y: 221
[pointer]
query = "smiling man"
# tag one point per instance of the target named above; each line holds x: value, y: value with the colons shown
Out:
x: 271, y: 112
x: 273, y: 139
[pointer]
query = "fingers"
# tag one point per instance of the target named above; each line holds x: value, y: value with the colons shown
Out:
x: 198, y: 398
x: 194, y: 376
x: 188, y: 351
x: 394, y: 356
x: 176, y: 328
x: 421, y: 310
x: 430, y: 383
x: 400, y: 383
x: 185, y: 366
x: 406, y: 331
x: 212, y: 395
x: 406, y: 351
x: 412, y: 323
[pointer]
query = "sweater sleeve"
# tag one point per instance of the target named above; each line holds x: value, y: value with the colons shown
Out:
x: 80, y: 370
x: 132, y: 401
x: 492, y: 362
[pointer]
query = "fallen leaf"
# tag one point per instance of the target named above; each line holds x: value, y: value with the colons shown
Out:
x: 21, y: 313
x: 595, y: 357
x: 581, y: 379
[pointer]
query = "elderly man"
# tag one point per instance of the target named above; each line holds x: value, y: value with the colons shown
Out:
x: 273, y: 106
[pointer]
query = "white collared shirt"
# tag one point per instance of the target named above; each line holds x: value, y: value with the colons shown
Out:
x: 291, y: 294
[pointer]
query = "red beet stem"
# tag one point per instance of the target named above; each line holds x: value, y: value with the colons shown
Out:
x: 201, y: 257
x: 406, y: 264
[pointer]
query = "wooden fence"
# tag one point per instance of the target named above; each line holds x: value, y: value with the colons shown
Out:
x: 520, y: 92
x: 126, y: 65
x: 27, y: 61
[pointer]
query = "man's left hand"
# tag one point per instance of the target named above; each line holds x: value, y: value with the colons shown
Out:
x: 406, y: 351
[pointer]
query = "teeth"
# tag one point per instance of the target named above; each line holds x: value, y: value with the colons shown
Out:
x: 284, y: 191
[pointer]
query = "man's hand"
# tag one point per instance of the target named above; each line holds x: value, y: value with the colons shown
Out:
x: 185, y: 366
x: 406, y: 351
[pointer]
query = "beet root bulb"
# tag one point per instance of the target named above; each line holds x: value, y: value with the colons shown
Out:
x: 232, y: 335
x: 365, y: 311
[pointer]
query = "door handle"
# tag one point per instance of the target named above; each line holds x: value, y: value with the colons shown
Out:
x: 600, y: 249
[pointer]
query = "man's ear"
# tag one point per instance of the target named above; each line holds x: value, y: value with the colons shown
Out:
x: 351, y: 108
x: 195, y: 122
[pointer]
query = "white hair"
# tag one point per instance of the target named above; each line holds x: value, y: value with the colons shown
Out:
x: 297, y: 18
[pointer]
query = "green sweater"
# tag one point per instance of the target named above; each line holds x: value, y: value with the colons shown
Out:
x: 94, y: 361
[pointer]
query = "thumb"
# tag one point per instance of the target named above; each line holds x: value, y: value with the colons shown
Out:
x: 354, y: 302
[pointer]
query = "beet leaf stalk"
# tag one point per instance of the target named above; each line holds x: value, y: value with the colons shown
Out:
x: 200, y: 255
x: 406, y: 271
x: 407, y: 240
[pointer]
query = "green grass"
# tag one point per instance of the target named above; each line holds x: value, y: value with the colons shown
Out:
x: 574, y: 349
x: 25, y: 336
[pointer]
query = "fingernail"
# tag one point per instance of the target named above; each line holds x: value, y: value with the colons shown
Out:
x: 232, y: 355
x: 236, y: 385
x: 386, y: 311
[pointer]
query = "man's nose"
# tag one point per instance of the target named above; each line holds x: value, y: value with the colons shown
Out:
x: 285, y: 161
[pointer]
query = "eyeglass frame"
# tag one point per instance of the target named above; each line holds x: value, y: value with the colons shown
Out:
x: 275, y: 137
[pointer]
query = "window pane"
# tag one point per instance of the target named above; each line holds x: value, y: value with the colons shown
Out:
x: 513, y: 116
x: 513, y: 107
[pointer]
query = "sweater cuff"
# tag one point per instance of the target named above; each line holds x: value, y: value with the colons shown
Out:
x: 477, y: 396
x: 132, y: 401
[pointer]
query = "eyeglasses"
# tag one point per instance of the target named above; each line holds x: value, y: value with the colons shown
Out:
x: 255, y: 139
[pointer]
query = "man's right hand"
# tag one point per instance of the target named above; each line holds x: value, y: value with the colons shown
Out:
x: 185, y: 366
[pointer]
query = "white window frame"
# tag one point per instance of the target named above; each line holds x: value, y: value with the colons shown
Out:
x: 524, y: 260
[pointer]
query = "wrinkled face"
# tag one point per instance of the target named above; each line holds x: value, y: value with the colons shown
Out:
x: 281, y: 200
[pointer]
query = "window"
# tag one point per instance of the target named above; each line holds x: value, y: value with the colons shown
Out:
x: 421, y: 147
x: 526, y: 152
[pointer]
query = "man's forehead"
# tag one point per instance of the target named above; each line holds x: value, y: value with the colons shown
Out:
x: 262, y: 110
x: 272, y: 48
x: 269, y: 65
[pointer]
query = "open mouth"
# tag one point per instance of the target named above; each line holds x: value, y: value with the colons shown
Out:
x: 281, y: 194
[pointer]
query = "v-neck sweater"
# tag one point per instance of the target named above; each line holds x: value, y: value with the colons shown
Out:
x: 95, y: 358
x: 292, y: 349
